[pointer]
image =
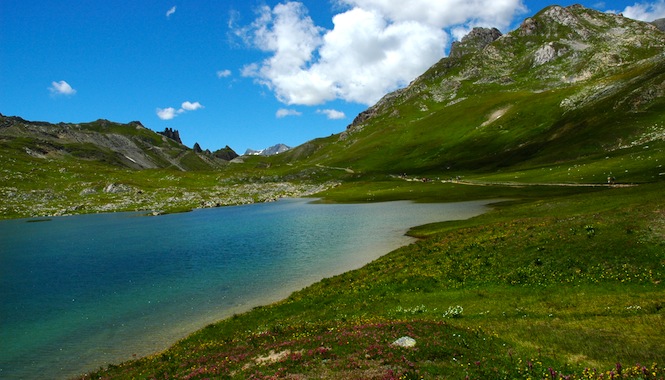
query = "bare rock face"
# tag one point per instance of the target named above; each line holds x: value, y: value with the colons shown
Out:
x: 547, y: 53
x: 476, y: 40
x: 528, y: 27
x: 173, y: 134
x: 660, y: 24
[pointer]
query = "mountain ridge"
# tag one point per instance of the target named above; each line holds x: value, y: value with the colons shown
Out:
x: 130, y: 145
x: 270, y: 151
x: 550, y: 84
x: 570, y: 96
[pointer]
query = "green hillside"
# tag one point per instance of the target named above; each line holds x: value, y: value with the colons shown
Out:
x: 569, y: 87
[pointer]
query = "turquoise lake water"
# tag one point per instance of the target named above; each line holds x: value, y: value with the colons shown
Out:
x: 80, y: 292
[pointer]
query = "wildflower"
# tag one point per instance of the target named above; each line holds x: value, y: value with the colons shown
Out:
x: 454, y: 312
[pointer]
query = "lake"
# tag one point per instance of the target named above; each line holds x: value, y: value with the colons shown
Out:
x: 83, y: 291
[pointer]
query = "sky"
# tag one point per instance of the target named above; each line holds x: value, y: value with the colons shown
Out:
x: 242, y: 73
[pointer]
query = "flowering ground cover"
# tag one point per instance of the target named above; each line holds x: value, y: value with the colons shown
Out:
x: 561, y: 287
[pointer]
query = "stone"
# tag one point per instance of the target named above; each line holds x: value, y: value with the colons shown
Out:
x: 405, y: 341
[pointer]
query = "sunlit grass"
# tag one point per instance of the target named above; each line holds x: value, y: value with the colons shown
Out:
x: 566, y: 286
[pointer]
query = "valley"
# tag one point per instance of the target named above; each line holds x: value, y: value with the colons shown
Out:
x: 561, y: 121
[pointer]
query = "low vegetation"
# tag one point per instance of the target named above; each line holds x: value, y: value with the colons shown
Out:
x: 556, y: 283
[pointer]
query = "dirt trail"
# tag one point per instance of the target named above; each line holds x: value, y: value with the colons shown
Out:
x: 515, y: 184
x: 525, y: 184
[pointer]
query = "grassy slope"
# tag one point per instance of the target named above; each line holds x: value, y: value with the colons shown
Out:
x: 554, y: 282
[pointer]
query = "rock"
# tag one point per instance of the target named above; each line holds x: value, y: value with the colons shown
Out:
x: 87, y: 191
x: 528, y: 27
x: 476, y: 40
x: 226, y: 153
x: 405, y: 341
x: 173, y: 134
x: 547, y: 53
x: 659, y: 23
x: 113, y: 188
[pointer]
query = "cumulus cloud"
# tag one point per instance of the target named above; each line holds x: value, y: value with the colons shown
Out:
x: 61, y: 88
x: 189, y: 106
x: 223, y: 73
x: 169, y: 113
x: 170, y: 11
x: 646, y: 11
x: 374, y: 47
x: 332, y: 114
x: 443, y: 14
x: 283, y: 112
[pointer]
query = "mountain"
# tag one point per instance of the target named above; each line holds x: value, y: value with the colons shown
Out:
x: 571, y: 96
x: 120, y: 145
x: 271, y: 151
x: 660, y: 23
x: 570, y: 84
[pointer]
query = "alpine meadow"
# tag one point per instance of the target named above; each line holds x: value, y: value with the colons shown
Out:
x: 561, y: 122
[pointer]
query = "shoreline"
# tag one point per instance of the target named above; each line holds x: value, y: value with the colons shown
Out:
x: 174, y: 334
x: 100, y: 347
x: 180, y: 332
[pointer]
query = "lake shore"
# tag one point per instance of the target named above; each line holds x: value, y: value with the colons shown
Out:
x: 361, y: 248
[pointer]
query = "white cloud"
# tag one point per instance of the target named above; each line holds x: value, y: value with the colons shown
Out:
x: 283, y: 112
x: 374, y: 47
x: 61, y: 88
x: 332, y: 114
x: 223, y: 73
x: 646, y: 11
x: 443, y: 14
x: 189, y: 106
x: 170, y: 11
x: 169, y: 113
x: 166, y: 113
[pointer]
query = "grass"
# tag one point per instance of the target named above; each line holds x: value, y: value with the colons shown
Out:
x: 558, y: 284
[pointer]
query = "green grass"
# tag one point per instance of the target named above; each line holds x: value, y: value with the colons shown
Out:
x: 566, y: 283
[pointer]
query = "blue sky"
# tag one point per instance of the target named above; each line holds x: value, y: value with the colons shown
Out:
x: 243, y: 73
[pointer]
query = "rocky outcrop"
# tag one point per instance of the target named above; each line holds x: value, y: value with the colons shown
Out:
x: 475, y: 41
x: 226, y: 153
x: 173, y: 134
x: 660, y: 24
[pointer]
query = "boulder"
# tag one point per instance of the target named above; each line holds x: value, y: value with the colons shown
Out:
x: 405, y: 341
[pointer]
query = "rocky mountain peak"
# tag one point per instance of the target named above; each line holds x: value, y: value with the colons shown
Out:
x: 476, y: 40
x: 173, y: 134
x: 557, y: 47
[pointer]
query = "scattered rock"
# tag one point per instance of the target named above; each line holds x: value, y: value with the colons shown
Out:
x: 113, y: 188
x: 87, y: 191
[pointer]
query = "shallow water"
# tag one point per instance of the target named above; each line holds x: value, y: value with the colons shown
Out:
x: 79, y: 292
